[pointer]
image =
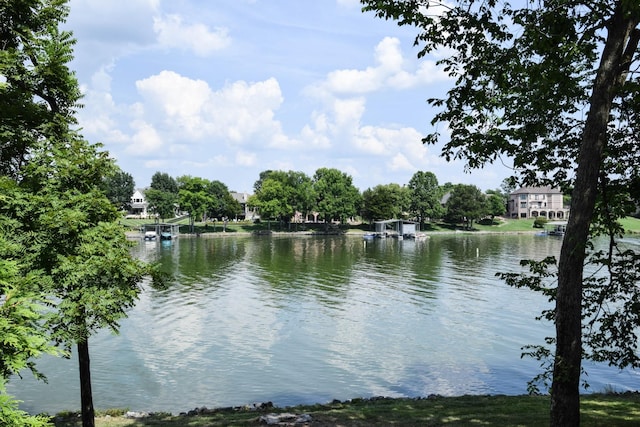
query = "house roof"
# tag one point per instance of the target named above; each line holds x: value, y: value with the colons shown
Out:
x: 537, y: 190
x: 240, y: 197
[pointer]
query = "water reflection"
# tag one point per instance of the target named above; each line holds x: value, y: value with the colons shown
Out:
x: 302, y: 320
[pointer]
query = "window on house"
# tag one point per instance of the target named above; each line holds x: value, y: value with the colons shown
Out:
x: 523, y: 197
x: 523, y: 204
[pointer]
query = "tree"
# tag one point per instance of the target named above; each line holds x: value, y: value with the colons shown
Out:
x: 271, y: 200
x: 69, y: 247
x: 263, y: 175
x: 162, y: 196
x: 302, y: 197
x: 70, y: 230
x: 549, y: 86
x: 162, y: 181
x: 384, y: 202
x: 297, y: 192
x: 193, y: 197
x: 11, y: 415
x: 336, y: 197
x: 466, y: 204
x: 37, y: 93
x: 222, y: 205
x: 21, y: 311
x: 496, y: 203
x: 119, y: 188
x: 508, y: 186
x: 425, y: 196
x: 21, y: 315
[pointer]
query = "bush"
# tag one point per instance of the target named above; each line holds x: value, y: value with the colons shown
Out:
x: 540, y: 222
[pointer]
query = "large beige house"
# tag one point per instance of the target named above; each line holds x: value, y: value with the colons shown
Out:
x: 532, y: 202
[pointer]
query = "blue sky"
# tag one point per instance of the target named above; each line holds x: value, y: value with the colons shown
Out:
x: 226, y: 89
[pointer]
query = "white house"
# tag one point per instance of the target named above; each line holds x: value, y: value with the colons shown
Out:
x: 532, y: 202
x: 138, y: 204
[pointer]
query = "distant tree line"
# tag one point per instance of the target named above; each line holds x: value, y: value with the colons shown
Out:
x: 328, y: 196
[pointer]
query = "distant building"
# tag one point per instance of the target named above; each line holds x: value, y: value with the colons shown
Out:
x: 247, y: 213
x: 139, y: 204
x: 533, y: 202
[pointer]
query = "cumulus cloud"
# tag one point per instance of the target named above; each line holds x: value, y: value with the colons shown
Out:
x: 230, y: 117
x: 244, y: 112
x: 181, y: 100
x: 400, y: 162
x: 391, y: 70
x: 174, y: 33
x: 386, y: 141
x: 239, y: 113
x: 145, y: 141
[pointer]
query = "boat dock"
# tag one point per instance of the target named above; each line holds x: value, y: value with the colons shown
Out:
x: 160, y: 231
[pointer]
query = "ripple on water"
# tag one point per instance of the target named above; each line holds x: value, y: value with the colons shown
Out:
x: 308, y: 320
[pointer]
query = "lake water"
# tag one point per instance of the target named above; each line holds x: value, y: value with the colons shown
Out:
x: 309, y: 319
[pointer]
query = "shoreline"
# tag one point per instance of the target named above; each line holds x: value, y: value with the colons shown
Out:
x: 597, y: 409
x: 264, y: 233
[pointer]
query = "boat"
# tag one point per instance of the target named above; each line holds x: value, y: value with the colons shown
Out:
x: 555, y: 228
x: 159, y: 231
x: 150, y: 235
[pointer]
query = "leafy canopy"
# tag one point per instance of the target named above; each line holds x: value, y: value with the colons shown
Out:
x: 553, y: 88
x: 425, y: 196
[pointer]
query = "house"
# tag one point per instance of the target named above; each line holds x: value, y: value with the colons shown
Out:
x: 247, y: 212
x: 532, y: 202
x: 139, y: 205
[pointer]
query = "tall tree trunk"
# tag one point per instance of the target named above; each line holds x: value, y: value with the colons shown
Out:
x: 565, y: 390
x: 86, y: 396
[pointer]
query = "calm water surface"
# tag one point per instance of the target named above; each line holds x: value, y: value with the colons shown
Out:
x: 309, y: 319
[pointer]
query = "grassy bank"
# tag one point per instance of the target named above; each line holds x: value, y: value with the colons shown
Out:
x: 597, y: 410
x: 632, y: 225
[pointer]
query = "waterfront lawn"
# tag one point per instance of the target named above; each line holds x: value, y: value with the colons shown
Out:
x: 499, y: 225
x: 614, y: 410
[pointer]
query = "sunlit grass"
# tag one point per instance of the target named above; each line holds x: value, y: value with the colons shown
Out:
x: 499, y: 225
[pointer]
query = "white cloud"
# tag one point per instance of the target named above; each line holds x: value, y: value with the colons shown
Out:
x: 145, y: 141
x: 302, y: 88
x: 400, y: 162
x: 388, y: 143
x: 181, y: 99
x: 391, y: 71
x: 244, y: 112
x: 173, y: 33
x: 244, y: 158
x: 354, y: 81
x: 239, y: 113
x: 348, y: 112
x: 368, y: 141
x: 389, y: 56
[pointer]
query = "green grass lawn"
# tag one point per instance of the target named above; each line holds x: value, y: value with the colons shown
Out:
x: 612, y: 410
x: 499, y: 225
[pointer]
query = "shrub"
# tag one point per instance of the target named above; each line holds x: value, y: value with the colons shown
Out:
x: 540, y: 222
